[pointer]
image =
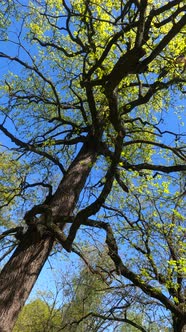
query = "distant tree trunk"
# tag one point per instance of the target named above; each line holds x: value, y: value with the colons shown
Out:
x: 22, y: 270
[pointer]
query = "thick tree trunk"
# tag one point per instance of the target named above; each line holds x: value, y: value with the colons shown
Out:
x: 18, y: 277
x: 22, y: 270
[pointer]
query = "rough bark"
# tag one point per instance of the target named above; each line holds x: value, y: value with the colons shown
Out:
x: 19, y: 276
x: 22, y: 270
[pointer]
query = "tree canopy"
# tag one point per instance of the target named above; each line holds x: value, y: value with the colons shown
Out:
x: 92, y: 144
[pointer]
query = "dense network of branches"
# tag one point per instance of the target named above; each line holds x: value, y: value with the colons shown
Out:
x: 91, y: 122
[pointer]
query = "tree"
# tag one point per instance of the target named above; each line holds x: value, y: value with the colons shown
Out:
x: 85, y: 294
x: 97, y: 302
x: 83, y: 103
x: 38, y: 316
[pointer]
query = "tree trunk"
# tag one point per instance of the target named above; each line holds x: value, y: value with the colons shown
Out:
x: 19, y: 276
x: 22, y: 270
x: 179, y: 324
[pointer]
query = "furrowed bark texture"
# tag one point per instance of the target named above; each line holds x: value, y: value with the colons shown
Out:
x: 18, y: 277
x: 22, y: 270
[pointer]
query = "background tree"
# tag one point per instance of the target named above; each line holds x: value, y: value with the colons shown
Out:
x: 38, y: 316
x: 83, y: 103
